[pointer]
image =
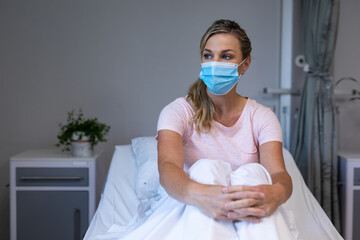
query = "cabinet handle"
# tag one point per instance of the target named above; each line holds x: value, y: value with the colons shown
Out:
x: 51, y: 178
x: 77, y: 225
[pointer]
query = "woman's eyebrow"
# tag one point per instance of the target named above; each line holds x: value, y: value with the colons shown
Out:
x: 228, y: 50
x: 223, y: 51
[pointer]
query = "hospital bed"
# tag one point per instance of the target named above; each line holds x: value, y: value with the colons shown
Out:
x: 132, y: 185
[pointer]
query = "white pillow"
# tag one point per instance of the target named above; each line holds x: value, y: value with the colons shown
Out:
x: 147, y: 175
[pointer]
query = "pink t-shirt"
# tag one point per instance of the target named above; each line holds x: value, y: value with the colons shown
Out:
x: 236, y: 145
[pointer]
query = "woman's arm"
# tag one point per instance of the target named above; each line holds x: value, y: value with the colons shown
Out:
x: 171, y: 163
x: 271, y: 158
x: 178, y: 184
x: 208, y: 198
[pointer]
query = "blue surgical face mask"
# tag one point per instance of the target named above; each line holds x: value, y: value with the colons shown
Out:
x: 220, y: 77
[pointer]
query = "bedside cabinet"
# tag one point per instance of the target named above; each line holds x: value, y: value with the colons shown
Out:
x: 349, y: 176
x: 53, y: 195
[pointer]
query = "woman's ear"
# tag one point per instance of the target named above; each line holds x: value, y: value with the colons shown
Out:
x: 246, y: 65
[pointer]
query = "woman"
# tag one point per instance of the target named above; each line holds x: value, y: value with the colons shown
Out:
x: 223, y: 42
x: 209, y: 147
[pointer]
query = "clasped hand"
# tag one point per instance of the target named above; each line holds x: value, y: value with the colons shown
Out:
x: 250, y: 203
x: 241, y: 203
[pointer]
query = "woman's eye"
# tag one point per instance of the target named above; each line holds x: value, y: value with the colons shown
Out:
x: 207, y: 56
x: 226, y: 57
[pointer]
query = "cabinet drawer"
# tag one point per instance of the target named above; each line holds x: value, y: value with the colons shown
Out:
x: 52, y: 176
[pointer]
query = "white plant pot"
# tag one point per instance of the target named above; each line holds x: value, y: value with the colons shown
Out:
x: 81, y: 149
x: 79, y: 136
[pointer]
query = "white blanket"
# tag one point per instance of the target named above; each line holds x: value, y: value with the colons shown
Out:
x: 119, y: 205
x: 174, y: 220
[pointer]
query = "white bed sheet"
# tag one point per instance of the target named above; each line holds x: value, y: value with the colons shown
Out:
x: 119, y: 204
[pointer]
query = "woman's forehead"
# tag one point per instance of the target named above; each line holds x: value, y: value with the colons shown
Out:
x: 223, y: 40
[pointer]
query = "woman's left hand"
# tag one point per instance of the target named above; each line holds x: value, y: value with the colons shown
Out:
x: 273, y: 196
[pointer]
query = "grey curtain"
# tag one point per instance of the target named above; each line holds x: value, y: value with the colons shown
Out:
x: 314, y: 145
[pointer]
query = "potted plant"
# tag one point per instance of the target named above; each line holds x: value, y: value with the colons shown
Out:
x: 80, y: 135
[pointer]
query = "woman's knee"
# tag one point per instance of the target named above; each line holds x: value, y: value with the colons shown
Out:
x: 210, y: 171
x: 250, y: 174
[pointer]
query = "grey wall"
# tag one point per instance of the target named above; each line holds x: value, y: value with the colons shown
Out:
x: 120, y: 61
x: 346, y: 64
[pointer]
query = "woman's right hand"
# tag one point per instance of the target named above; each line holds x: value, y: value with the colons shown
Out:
x: 210, y: 200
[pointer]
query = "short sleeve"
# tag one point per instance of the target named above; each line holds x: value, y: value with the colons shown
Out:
x: 175, y: 116
x: 269, y: 128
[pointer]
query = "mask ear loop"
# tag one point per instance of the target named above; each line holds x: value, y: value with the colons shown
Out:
x: 242, y: 63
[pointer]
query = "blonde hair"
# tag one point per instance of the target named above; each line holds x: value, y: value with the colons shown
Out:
x: 197, y: 95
